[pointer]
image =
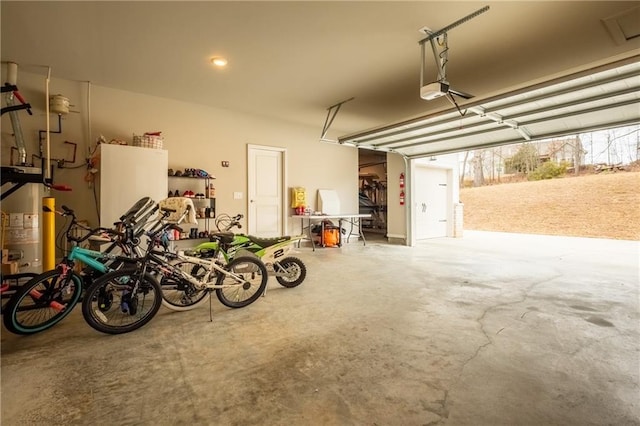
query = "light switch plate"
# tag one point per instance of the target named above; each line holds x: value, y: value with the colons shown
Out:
x: 237, y: 195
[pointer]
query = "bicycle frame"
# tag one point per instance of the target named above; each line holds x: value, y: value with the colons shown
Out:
x: 268, y: 255
x: 212, y: 269
x: 272, y: 254
x: 88, y: 257
x: 228, y: 245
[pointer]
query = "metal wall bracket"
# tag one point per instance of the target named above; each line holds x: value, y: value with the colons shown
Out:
x: 332, y: 111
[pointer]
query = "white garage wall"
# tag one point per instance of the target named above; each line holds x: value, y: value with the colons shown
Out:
x: 396, y: 227
x: 195, y: 136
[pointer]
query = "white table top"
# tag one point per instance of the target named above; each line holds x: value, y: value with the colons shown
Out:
x: 330, y: 216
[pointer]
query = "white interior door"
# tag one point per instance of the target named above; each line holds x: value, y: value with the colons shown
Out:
x: 265, y: 191
x: 430, y: 202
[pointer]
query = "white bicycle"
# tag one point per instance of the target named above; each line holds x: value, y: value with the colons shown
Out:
x: 187, y: 281
x: 236, y: 284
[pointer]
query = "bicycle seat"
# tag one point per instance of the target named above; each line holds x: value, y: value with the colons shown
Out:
x: 100, y: 239
x: 223, y: 237
x: 268, y: 242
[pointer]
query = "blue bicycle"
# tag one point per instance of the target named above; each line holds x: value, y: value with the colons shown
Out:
x: 49, y: 297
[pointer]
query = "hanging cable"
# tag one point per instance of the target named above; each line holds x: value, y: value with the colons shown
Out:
x: 95, y: 200
x: 443, y: 55
x: 59, y: 238
x: 89, y: 118
x: 453, y: 101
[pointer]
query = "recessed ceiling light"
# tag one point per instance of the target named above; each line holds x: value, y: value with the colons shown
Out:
x: 219, y: 61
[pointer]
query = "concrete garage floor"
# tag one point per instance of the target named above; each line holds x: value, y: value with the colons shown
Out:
x: 490, y: 329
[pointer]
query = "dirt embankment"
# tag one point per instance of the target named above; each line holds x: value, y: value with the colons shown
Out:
x: 600, y: 206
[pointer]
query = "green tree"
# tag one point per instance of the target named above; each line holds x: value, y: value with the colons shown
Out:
x: 549, y: 170
x: 524, y: 161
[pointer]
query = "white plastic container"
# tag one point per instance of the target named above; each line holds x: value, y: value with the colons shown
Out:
x: 59, y: 104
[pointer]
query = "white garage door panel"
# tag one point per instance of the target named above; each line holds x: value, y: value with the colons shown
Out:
x: 601, y: 98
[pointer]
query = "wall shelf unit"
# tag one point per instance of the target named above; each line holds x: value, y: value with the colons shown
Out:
x: 202, y: 192
x: 373, y: 200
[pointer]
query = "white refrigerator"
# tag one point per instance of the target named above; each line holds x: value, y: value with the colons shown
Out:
x: 126, y: 174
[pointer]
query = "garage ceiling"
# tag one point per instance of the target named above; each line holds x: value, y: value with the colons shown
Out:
x: 290, y: 61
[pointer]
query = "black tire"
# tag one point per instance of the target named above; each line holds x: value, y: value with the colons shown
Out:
x: 241, y: 294
x: 181, y: 295
x: 42, y: 302
x: 109, y: 306
x: 294, y: 269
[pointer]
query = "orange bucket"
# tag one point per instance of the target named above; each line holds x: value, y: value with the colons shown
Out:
x: 330, y: 237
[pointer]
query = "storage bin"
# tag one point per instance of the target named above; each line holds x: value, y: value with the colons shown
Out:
x: 148, y: 141
x: 330, y: 237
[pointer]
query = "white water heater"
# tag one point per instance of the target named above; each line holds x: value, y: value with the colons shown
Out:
x: 23, y: 224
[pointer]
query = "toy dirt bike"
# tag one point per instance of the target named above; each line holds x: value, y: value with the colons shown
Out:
x: 289, y: 271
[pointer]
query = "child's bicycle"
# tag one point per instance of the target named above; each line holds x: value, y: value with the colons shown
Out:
x: 225, y: 246
x: 48, y: 298
x: 237, y: 283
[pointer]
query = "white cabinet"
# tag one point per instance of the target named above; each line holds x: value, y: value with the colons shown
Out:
x: 126, y: 174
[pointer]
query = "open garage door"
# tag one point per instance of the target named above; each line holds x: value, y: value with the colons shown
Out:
x: 599, y: 98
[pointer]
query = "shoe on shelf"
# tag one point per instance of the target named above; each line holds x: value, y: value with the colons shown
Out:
x: 188, y: 194
x: 176, y: 194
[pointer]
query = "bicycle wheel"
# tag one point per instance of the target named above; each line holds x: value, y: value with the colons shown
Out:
x: 247, y: 283
x: 42, y: 302
x: 179, y: 294
x: 290, y: 272
x: 121, y: 301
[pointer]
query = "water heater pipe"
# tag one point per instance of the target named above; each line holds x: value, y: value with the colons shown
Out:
x: 12, y: 73
x: 12, y: 78
x: 47, y: 171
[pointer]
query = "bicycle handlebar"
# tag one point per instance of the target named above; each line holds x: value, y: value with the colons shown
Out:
x: 66, y: 211
x: 155, y: 233
x: 59, y: 187
x: 18, y: 177
x: 233, y: 222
